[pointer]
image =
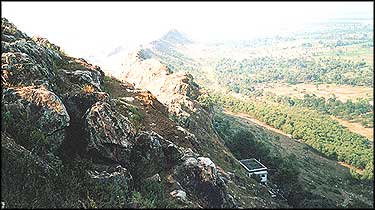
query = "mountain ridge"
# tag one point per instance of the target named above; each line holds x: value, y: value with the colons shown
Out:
x: 96, y: 138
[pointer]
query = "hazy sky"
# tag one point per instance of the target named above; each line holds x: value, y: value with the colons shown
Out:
x: 84, y: 27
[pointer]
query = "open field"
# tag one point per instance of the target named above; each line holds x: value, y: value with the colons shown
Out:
x: 357, y: 128
x: 342, y: 92
x: 352, y: 52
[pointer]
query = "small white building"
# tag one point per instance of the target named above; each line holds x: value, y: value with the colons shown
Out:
x: 253, y: 166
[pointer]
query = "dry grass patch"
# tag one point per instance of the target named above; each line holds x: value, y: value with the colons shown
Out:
x: 357, y: 128
x: 342, y: 92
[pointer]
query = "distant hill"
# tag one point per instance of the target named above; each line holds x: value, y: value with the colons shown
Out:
x: 175, y: 37
x: 169, y: 50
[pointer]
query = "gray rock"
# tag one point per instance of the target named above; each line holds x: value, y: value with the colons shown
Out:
x: 20, y: 69
x: 86, y: 77
x: 109, y: 133
x: 154, y: 178
x: 199, y: 176
x: 44, y: 42
x: 115, y: 175
x: 25, y: 62
x: 179, y: 194
x: 10, y: 29
x: 147, y: 156
x: 39, y: 107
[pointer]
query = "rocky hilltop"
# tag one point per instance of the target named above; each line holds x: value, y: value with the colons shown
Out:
x: 73, y: 137
x: 175, y: 37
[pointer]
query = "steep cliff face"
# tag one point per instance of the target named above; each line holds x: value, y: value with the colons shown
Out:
x: 73, y: 137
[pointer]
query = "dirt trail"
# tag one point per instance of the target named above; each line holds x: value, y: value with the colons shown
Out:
x: 351, y: 167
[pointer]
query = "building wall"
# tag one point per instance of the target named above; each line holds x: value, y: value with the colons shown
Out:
x: 262, y: 175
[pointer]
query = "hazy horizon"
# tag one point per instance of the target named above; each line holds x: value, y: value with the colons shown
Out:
x: 84, y: 28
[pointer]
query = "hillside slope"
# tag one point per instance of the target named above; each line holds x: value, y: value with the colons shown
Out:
x: 323, y: 182
x: 73, y: 137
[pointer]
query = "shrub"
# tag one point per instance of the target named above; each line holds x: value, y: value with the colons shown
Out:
x: 152, y: 195
x: 5, y: 120
x: 135, y: 117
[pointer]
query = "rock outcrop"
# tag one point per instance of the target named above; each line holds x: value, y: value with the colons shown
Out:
x: 176, y: 90
x: 15, y: 153
x: 148, y: 153
x: 199, y: 176
x: 110, y: 134
x: 24, y: 61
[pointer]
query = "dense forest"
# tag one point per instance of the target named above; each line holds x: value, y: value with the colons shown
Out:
x: 360, y: 110
x: 314, y: 128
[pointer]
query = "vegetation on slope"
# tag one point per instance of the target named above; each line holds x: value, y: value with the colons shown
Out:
x: 304, y: 177
x: 243, y: 144
x: 359, y: 110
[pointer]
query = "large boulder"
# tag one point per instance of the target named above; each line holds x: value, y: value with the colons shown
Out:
x: 35, y: 108
x: 110, y: 134
x: 154, y: 153
x: 38, y: 53
x: 147, y: 156
x: 85, y: 77
x: 36, y: 61
x: 80, y: 72
x: 77, y: 75
x: 199, y: 176
x: 17, y: 156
